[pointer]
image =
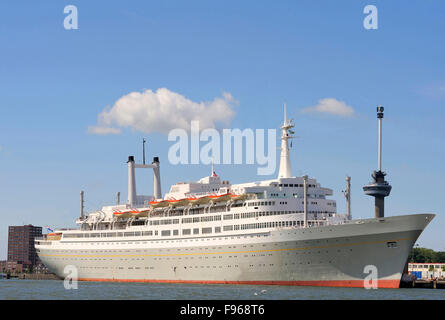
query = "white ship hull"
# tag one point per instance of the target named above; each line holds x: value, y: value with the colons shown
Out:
x: 333, y: 255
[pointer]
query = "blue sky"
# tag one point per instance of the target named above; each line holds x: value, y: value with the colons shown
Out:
x: 54, y: 83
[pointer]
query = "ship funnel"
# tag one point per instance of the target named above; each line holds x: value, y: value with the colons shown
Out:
x: 132, y: 197
x: 379, y: 188
x: 131, y: 182
x: 82, y: 206
x: 156, y: 179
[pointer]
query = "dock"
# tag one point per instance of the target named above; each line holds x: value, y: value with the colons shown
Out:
x: 30, y: 276
x: 424, y: 284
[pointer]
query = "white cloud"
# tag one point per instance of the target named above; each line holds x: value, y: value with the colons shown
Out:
x: 162, y: 111
x: 331, y: 106
x: 103, y: 130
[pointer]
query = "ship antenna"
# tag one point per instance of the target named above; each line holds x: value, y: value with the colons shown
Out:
x: 143, y: 150
x: 285, y: 114
x: 379, y: 188
x: 347, y: 195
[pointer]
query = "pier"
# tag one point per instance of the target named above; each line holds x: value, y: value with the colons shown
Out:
x: 30, y: 276
x: 424, y: 284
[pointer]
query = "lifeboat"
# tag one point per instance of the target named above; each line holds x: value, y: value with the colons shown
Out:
x: 54, y: 236
x: 159, y: 204
x: 134, y: 213
x: 178, y: 203
x: 200, y: 200
x: 122, y: 214
x: 143, y: 213
x: 236, y: 197
x: 220, y: 198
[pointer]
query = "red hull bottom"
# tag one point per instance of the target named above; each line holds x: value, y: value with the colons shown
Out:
x: 316, y: 283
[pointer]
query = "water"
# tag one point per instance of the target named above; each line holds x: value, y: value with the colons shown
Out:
x: 54, y: 290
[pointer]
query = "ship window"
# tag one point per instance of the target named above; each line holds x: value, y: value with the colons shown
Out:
x: 206, y: 230
x: 186, y: 231
x: 165, y: 232
x: 217, y: 229
x: 196, y: 231
x: 392, y: 244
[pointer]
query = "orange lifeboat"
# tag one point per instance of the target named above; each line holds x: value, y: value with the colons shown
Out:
x: 122, y: 214
x: 54, y: 236
x: 200, y: 200
x: 143, y: 213
x: 134, y: 212
x: 178, y: 203
x: 159, y: 204
x: 220, y: 198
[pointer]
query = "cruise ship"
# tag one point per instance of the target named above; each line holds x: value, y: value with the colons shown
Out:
x: 283, y: 231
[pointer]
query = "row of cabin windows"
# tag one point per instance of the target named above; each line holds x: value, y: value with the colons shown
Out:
x: 163, y: 222
x: 207, y: 230
x: 273, y: 224
x: 244, y: 215
x: 261, y: 203
x: 427, y: 266
x: 109, y: 234
x: 201, y: 219
x: 296, y: 185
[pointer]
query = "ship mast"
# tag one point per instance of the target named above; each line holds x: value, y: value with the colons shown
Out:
x: 286, y: 134
x: 347, y: 194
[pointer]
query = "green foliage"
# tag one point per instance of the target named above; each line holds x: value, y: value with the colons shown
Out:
x: 424, y: 255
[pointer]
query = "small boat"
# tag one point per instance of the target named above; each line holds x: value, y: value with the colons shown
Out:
x: 220, y: 198
x: 178, y: 203
x: 54, y: 236
x: 143, y: 213
x: 159, y: 204
x: 122, y: 214
x: 200, y: 200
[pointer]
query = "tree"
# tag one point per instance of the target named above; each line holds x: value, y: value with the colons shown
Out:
x: 424, y: 255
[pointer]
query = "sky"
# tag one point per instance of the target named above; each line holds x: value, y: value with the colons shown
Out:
x: 74, y: 104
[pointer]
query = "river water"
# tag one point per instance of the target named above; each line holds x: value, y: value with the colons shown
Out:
x: 54, y: 290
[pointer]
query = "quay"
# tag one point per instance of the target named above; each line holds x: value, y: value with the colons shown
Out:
x: 424, y: 283
x: 30, y: 276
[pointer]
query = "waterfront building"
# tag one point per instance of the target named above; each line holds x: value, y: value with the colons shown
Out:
x: 427, y: 270
x: 21, y: 248
x: 10, y: 266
